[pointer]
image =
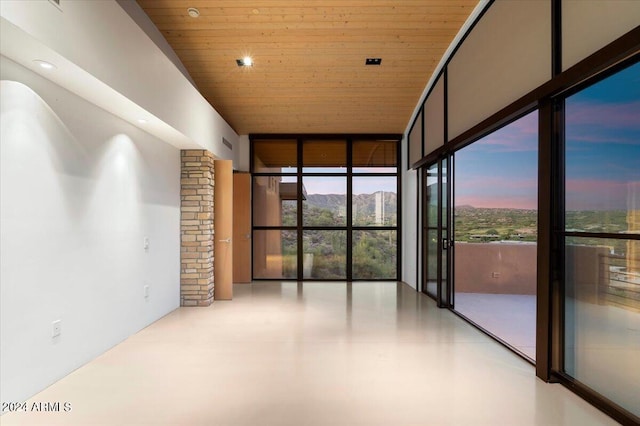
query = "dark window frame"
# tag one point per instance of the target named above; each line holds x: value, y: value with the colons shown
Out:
x: 349, y: 175
x: 548, y: 99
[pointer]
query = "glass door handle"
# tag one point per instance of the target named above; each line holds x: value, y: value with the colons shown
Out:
x: 445, y: 244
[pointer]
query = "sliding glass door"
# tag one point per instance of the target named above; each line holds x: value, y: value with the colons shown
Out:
x: 436, y: 234
x: 496, y: 233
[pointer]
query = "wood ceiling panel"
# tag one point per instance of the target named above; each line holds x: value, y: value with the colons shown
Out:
x: 309, y: 73
x: 305, y: 4
x: 199, y: 38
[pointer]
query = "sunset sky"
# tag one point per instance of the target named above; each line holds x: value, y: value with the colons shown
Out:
x: 603, y: 143
x: 501, y: 169
x: 602, y: 153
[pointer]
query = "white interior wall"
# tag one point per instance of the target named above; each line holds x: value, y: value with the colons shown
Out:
x: 141, y: 19
x: 243, y: 151
x: 105, y: 57
x: 409, y: 217
x: 80, y: 190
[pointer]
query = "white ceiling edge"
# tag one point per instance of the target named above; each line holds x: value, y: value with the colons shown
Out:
x: 103, y: 56
x: 146, y: 24
x: 18, y: 46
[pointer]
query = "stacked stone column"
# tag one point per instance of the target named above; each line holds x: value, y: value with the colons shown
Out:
x: 196, y: 228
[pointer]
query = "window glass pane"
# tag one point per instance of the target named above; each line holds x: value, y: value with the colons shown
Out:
x: 432, y: 262
x: 374, y: 201
x: 602, y: 276
x: 432, y: 196
x: 324, y: 156
x: 374, y: 254
x: 325, y: 254
x: 603, y: 156
x: 375, y: 156
x: 274, y: 200
x: 602, y: 316
x: 274, y: 254
x: 324, y: 200
x: 443, y: 190
x: 275, y: 156
x: 495, y: 199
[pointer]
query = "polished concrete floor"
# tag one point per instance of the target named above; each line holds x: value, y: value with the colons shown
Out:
x: 311, y: 354
x: 511, y: 317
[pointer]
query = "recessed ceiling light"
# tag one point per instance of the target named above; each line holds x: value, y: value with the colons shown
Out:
x: 193, y: 12
x: 373, y: 61
x: 245, y: 62
x: 44, y: 64
x: 142, y: 120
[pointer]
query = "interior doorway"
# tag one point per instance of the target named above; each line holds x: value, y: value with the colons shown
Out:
x: 241, y: 227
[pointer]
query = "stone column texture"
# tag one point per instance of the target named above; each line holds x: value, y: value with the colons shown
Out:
x: 196, y: 228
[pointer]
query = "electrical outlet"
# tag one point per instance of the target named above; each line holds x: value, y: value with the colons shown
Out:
x: 495, y: 274
x: 56, y: 328
x: 146, y: 291
x: 145, y: 243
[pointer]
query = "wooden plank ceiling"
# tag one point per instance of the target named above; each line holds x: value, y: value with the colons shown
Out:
x: 309, y: 73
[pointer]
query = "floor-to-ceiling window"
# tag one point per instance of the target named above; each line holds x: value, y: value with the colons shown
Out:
x: 495, y: 227
x: 546, y: 205
x: 325, y: 208
x: 602, y: 237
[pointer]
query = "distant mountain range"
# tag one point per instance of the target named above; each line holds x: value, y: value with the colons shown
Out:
x: 364, y: 204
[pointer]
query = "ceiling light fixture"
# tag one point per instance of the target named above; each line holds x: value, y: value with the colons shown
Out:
x: 44, y: 64
x: 245, y: 62
x: 193, y: 12
x: 142, y: 120
x: 373, y: 61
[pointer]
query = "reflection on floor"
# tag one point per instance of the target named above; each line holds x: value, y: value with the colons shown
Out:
x: 312, y: 354
x: 511, y: 317
x: 603, y: 350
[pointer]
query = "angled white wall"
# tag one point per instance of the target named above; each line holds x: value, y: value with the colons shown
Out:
x: 104, y: 56
x: 80, y: 191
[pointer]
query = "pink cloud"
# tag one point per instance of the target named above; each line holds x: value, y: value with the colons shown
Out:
x: 595, y: 194
x: 496, y: 182
x: 521, y: 135
x: 595, y: 185
x: 604, y: 115
x: 592, y: 138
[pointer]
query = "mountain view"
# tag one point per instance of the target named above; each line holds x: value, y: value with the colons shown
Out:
x: 474, y: 224
x: 374, y: 251
x: 364, y: 208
